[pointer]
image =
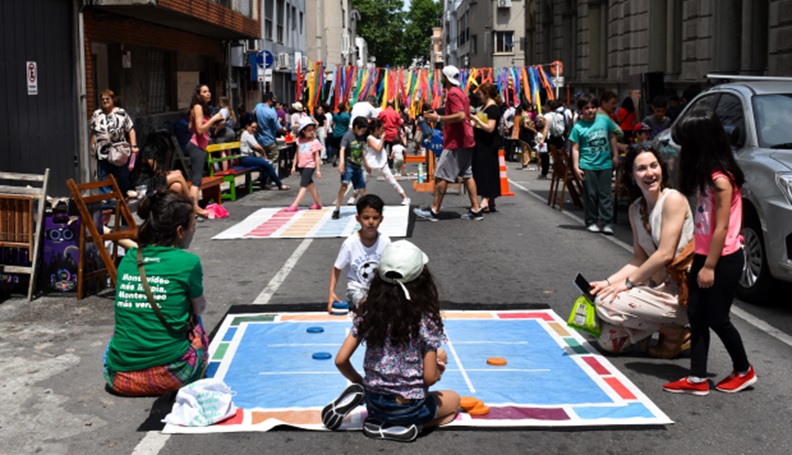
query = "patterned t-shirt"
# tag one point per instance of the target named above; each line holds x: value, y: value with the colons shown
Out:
x: 399, y: 370
x: 109, y: 129
x: 306, y: 152
x: 360, y: 261
x: 354, y: 147
x: 594, y: 141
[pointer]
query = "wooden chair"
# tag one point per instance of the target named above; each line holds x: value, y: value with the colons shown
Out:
x: 564, y: 177
x: 119, y: 232
x: 19, y: 228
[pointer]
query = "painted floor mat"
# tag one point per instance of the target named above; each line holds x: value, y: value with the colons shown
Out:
x: 553, y: 377
x: 272, y: 223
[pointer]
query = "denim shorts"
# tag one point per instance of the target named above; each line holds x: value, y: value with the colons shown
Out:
x: 354, y: 175
x: 416, y: 411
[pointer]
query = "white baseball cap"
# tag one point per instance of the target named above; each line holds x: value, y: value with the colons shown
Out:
x: 305, y: 121
x: 297, y: 106
x: 451, y: 72
x: 401, y: 262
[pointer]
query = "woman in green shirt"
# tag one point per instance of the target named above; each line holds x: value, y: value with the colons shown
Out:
x: 147, y: 355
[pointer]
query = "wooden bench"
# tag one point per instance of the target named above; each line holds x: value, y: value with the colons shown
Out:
x: 210, y: 189
x: 214, y: 156
x: 21, y: 216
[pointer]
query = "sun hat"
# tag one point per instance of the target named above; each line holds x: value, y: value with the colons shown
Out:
x: 297, y: 106
x: 404, y: 259
x: 451, y: 73
x: 642, y: 126
x: 305, y: 121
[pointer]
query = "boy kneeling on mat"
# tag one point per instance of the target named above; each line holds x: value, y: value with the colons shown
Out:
x: 360, y: 253
x: 401, y: 325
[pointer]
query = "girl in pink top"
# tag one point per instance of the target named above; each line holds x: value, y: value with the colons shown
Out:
x: 709, y: 171
x: 200, y: 124
x: 308, y: 160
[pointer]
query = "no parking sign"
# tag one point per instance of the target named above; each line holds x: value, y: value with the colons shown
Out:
x: 31, y: 76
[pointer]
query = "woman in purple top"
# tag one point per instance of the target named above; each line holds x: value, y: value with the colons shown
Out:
x: 401, y: 325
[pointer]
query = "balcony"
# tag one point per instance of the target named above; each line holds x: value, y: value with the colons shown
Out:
x: 212, y: 18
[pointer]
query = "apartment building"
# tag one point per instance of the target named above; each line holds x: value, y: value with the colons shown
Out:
x: 330, y: 32
x: 283, y: 33
x: 485, y: 33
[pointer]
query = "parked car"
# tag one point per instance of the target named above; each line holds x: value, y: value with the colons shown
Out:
x: 757, y: 115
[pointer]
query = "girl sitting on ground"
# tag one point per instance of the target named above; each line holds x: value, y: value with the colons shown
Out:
x: 152, y: 168
x: 401, y: 325
x: 377, y: 157
x: 308, y: 161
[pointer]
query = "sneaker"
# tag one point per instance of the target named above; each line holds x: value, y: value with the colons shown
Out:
x: 593, y: 228
x: 685, y: 386
x: 607, y: 230
x: 736, y: 382
x: 352, y: 200
x: 336, y: 214
x: 333, y: 414
x: 427, y: 214
x: 471, y: 215
x: 291, y: 208
x: 315, y: 207
x: 376, y: 429
x: 406, y: 201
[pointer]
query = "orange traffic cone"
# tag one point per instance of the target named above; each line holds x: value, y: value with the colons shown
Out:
x: 504, y: 180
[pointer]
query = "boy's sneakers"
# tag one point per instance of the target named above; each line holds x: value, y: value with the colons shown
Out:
x: 471, y: 215
x: 736, y: 382
x: 376, y: 429
x: 594, y: 228
x: 684, y: 385
x: 336, y: 214
x: 333, y: 414
x: 406, y: 201
x: 427, y: 214
x: 607, y: 229
x: 352, y: 200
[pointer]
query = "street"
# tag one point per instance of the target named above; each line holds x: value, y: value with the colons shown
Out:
x: 527, y: 252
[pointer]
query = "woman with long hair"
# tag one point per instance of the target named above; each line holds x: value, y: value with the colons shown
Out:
x: 200, y: 124
x: 486, y: 167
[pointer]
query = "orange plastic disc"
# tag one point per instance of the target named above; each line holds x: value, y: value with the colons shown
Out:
x: 468, y: 403
x: 480, y: 410
x: 496, y: 361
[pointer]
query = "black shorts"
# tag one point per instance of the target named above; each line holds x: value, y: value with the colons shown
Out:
x: 306, y: 176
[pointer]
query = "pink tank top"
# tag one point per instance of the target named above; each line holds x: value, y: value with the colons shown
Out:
x: 202, y: 140
x: 705, y: 220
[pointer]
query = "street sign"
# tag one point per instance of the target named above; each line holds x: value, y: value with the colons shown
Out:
x: 265, y: 59
x: 268, y: 75
x: 558, y: 81
x: 31, y: 76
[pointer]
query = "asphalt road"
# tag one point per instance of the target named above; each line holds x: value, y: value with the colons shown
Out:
x: 55, y: 401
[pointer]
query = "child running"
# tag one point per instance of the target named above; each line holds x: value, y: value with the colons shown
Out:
x: 401, y: 326
x: 397, y: 155
x: 351, y: 162
x: 360, y: 253
x: 308, y: 161
x: 708, y: 169
x: 377, y: 157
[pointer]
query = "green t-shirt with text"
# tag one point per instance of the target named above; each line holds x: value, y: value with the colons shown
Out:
x: 593, y: 139
x: 140, y: 340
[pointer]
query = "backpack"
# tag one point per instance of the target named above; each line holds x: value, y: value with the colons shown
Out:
x: 557, y: 124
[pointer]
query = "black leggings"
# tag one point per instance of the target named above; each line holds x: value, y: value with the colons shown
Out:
x: 709, y: 308
x: 197, y: 157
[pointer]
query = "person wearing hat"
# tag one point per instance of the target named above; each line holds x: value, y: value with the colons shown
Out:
x: 401, y: 324
x: 308, y: 160
x: 458, y: 141
x: 641, y: 135
x: 298, y: 112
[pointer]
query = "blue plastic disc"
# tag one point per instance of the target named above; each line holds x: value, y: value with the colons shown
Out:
x: 322, y: 356
x: 341, y: 305
x: 315, y: 330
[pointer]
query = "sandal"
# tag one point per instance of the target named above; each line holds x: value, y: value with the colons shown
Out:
x: 284, y: 187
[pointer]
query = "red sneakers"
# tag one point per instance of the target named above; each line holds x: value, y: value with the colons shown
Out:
x: 685, y: 386
x: 734, y: 382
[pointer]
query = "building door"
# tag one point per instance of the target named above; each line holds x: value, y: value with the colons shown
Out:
x: 38, y: 127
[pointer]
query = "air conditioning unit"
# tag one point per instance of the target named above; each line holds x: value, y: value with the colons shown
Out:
x: 304, y: 63
x: 504, y: 3
x: 283, y: 61
x: 251, y: 45
x: 345, y: 44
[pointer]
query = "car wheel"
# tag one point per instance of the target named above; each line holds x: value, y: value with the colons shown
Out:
x: 756, y: 281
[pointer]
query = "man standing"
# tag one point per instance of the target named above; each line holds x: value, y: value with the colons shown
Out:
x: 457, y: 157
x: 364, y: 109
x: 391, y: 122
x: 268, y: 126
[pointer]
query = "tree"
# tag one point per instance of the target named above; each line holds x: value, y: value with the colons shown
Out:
x: 423, y: 15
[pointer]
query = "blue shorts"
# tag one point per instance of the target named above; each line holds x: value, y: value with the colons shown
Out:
x: 417, y: 411
x: 355, y: 176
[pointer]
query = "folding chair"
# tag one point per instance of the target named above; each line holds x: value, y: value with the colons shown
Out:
x: 118, y: 232
x: 564, y: 177
x: 18, y: 226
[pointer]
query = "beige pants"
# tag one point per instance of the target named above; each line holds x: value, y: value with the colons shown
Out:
x: 637, y: 314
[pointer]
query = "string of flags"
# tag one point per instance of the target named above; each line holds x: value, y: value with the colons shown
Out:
x: 415, y: 87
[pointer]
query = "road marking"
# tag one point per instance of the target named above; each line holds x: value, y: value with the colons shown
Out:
x: 280, y: 277
x: 461, y: 367
x: 740, y: 313
x: 154, y: 441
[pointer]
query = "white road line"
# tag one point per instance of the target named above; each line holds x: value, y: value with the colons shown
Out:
x: 461, y: 367
x: 742, y: 314
x: 282, y: 274
x: 154, y: 441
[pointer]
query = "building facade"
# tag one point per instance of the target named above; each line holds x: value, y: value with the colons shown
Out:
x: 330, y: 32
x: 283, y: 33
x: 485, y: 33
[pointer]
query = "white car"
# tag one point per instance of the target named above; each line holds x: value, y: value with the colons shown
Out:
x: 756, y: 112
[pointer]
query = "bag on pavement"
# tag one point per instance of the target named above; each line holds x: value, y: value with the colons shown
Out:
x: 216, y: 211
x: 584, y: 317
x: 201, y: 404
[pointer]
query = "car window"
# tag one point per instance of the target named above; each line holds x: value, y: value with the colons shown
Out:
x: 730, y: 112
x: 706, y: 102
x: 773, y: 120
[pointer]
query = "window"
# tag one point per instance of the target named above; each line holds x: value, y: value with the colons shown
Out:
x: 730, y: 112
x: 268, y: 16
x: 504, y: 42
x: 158, y: 82
x: 294, y: 18
x: 279, y: 26
x: 301, y: 23
x: 771, y: 123
x: 474, y: 44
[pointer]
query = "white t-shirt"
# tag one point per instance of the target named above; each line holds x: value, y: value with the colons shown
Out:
x: 362, y: 109
x: 360, y: 262
x: 398, y: 151
x: 246, y: 143
x: 376, y: 160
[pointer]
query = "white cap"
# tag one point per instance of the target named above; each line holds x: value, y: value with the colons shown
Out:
x: 305, y: 121
x: 403, y: 258
x: 297, y: 106
x: 451, y: 72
